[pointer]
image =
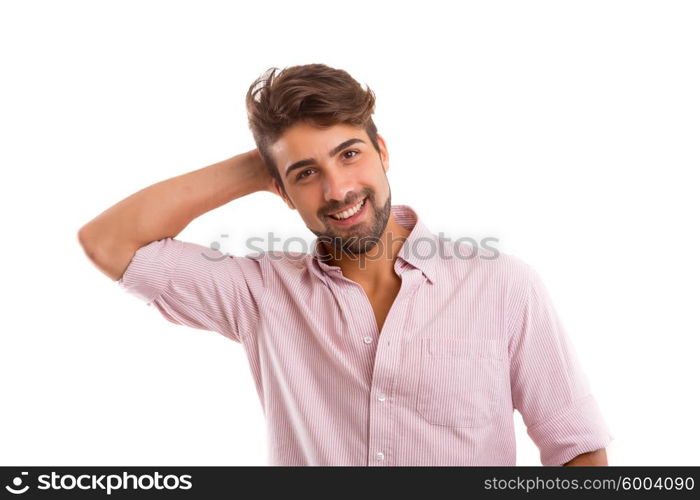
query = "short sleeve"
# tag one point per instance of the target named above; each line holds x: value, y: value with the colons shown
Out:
x: 548, y: 385
x: 192, y: 285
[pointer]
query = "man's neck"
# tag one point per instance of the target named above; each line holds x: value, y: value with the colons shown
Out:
x: 375, y: 268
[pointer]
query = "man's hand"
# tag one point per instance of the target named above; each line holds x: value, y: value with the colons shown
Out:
x: 597, y: 457
x: 255, y: 163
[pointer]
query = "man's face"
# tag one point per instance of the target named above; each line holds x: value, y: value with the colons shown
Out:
x: 343, y: 170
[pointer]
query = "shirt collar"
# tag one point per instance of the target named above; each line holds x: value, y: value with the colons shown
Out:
x: 419, y: 249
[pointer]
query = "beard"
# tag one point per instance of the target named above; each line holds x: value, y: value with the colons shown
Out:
x: 362, y: 237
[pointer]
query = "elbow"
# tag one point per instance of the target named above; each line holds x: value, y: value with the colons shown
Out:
x: 107, y: 262
x: 86, y: 242
x: 91, y: 242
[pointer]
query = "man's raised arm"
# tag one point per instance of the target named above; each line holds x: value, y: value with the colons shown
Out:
x: 164, y: 209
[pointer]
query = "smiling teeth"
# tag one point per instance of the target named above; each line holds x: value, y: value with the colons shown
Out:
x: 349, y: 212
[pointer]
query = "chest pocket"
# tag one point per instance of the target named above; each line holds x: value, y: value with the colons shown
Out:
x: 459, y: 381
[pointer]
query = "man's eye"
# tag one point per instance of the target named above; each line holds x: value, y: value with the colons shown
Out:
x: 301, y: 175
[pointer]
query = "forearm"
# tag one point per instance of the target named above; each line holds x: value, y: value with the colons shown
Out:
x: 597, y: 457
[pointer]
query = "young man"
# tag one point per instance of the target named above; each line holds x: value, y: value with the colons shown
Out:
x: 384, y: 346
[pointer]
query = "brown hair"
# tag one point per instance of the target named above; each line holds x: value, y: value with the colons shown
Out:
x: 315, y: 94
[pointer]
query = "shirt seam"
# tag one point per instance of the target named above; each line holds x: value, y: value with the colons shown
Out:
x: 560, y: 413
x: 520, y: 313
x: 263, y: 297
x: 170, y: 272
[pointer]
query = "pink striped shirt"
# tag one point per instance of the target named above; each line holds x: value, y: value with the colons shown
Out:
x: 466, y: 342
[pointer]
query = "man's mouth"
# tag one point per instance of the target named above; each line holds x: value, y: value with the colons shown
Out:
x: 349, y: 212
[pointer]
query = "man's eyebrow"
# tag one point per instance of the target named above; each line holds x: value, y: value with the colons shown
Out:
x: 331, y: 154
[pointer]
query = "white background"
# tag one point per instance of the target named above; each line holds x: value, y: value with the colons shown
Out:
x: 568, y: 130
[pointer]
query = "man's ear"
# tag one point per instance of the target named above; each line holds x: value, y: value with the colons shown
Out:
x: 383, y: 152
x: 282, y: 194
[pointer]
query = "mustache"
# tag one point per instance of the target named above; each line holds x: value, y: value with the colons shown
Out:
x: 348, y: 204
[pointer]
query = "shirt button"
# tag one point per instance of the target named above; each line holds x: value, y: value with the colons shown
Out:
x: 368, y: 340
x: 381, y: 396
x: 380, y: 455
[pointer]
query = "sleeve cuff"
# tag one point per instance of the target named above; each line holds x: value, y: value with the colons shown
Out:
x: 578, y: 429
x: 150, y: 269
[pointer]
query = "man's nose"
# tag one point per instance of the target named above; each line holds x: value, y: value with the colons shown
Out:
x: 336, y: 186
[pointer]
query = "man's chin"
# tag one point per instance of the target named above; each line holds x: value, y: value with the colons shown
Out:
x: 358, y: 238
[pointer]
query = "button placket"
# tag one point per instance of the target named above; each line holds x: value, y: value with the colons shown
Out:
x: 384, y: 363
x: 384, y: 375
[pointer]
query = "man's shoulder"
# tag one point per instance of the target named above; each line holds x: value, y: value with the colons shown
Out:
x: 461, y: 257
